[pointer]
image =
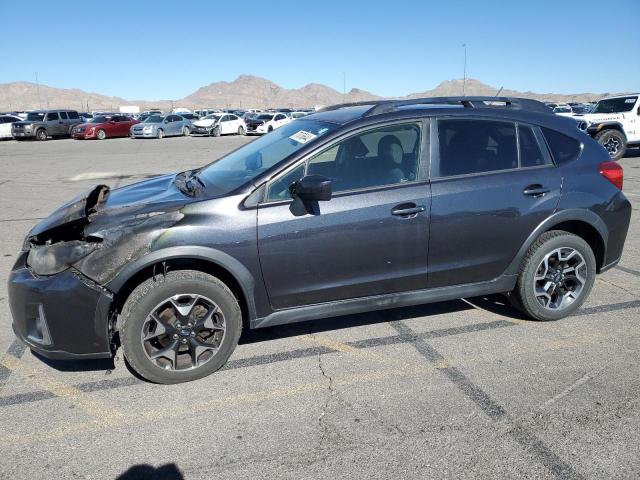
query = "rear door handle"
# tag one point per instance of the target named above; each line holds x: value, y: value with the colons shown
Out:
x: 408, y: 211
x: 535, y: 190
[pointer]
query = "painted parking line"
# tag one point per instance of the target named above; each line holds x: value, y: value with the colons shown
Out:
x: 490, y: 407
x: 256, y: 360
x: 214, y: 405
x: 102, y: 413
x: 267, y: 359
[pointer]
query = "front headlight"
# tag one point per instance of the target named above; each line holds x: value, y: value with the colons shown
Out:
x: 28, y: 127
x: 52, y: 259
x: 147, y: 129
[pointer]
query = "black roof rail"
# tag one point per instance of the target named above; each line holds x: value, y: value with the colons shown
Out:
x: 386, y: 106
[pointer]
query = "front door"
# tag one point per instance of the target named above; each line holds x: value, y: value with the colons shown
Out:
x: 371, y: 238
x: 488, y: 195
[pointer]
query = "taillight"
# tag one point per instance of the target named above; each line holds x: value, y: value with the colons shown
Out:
x: 613, y: 172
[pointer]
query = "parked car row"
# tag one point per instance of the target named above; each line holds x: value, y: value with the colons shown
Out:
x: 45, y: 124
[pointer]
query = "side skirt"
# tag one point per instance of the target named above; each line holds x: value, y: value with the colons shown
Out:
x: 505, y: 283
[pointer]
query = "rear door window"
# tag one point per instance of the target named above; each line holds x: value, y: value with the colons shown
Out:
x: 563, y: 148
x: 52, y: 116
x: 63, y: 115
x: 470, y: 146
x: 531, y: 152
x: 73, y: 115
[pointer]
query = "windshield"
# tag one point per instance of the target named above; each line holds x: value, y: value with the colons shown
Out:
x: 212, y: 117
x: 154, y: 119
x: 615, y: 105
x: 35, y: 116
x: 99, y: 120
x: 246, y: 163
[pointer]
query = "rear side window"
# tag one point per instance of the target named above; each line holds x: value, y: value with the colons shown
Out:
x: 73, y: 115
x: 531, y: 154
x: 563, y: 148
x: 475, y: 146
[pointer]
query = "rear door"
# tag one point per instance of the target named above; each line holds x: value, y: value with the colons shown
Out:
x: 488, y: 195
x: 371, y: 238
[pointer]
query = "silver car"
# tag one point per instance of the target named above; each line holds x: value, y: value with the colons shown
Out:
x: 159, y: 126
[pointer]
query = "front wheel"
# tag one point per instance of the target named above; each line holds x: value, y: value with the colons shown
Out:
x: 556, y: 276
x: 101, y: 134
x: 614, y: 143
x: 160, y: 134
x: 179, y: 327
x: 41, y: 135
x: 216, y: 132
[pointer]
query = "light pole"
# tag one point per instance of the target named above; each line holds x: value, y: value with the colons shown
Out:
x: 344, y: 87
x: 464, y: 75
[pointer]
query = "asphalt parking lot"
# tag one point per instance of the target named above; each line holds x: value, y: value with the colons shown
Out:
x: 456, y: 390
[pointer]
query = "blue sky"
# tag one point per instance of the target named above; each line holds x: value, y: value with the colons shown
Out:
x: 166, y: 50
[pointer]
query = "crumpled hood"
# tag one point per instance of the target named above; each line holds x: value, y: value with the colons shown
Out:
x: 104, y: 206
x: 204, y: 123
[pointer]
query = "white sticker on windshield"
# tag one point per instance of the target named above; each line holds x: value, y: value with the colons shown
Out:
x: 629, y: 100
x: 302, y: 136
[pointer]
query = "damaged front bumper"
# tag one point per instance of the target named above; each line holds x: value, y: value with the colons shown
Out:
x: 62, y: 316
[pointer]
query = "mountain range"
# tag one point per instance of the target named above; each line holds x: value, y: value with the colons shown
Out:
x: 246, y: 91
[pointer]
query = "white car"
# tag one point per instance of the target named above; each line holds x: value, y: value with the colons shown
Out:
x: 266, y: 122
x: 614, y: 123
x: 563, y: 110
x: 218, y: 124
x: 5, y: 125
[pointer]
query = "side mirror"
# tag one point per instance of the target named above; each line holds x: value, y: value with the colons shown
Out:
x: 312, y: 188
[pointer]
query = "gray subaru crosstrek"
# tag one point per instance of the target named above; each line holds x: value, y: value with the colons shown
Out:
x: 44, y: 124
x: 355, y: 208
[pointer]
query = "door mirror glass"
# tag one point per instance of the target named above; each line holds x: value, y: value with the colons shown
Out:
x: 312, y: 188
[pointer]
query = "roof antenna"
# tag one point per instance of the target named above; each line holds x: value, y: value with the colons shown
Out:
x: 498, y: 92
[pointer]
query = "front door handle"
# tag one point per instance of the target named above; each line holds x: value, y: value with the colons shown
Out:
x: 535, y: 190
x: 407, y: 211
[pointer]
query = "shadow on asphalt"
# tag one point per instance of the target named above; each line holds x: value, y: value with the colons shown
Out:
x: 496, y: 304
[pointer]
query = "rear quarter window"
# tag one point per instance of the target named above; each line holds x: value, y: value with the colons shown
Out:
x: 563, y: 148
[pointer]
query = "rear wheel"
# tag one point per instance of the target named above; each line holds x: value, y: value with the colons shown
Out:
x: 240, y: 130
x: 179, y: 327
x: 185, y: 131
x: 101, y: 134
x: 614, y: 142
x: 41, y: 135
x: 556, y: 276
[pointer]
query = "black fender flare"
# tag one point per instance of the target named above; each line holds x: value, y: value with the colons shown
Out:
x: 596, y: 128
x: 240, y: 273
x: 572, y: 214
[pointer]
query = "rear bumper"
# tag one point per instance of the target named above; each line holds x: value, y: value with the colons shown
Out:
x: 617, y: 217
x: 63, y: 316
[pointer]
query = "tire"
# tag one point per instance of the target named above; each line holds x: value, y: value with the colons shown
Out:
x: 216, y: 132
x: 41, y: 135
x: 160, y: 134
x: 101, y: 135
x: 614, y: 143
x: 240, y: 130
x: 270, y: 129
x: 185, y: 131
x: 537, y: 277
x: 152, y: 295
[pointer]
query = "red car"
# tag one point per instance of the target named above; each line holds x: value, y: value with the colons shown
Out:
x: 104, y: 126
